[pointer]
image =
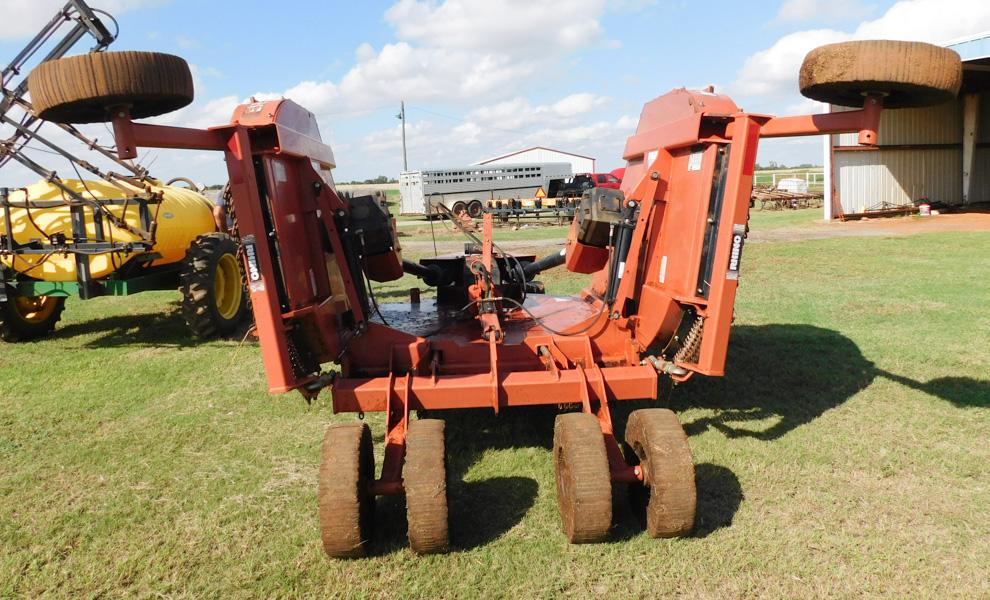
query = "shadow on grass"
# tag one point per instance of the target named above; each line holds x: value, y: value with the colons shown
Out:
x: 480, y: 511
x: 961, y: 391
x: 153, y: 329
x: 778, y: 377
x: 719, y: 497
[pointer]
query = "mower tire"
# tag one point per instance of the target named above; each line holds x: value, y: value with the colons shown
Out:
x: 346, y: 506
x: 584, y: 483
x: 82, y: 89
x: 425, y: 478
x: 907, y: 74
x: 661, y: 447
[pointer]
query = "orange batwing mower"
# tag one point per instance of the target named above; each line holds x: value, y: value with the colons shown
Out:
x: 663, y: 254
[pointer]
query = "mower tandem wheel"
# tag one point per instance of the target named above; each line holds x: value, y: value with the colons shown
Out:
x: 584, y: 484
x: 346, y: 505
x: 907, y: 74
x: 81, y: 89
x: 425, y: 480
x: 660, y: 444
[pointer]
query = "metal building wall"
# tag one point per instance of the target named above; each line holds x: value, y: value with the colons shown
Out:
x: 926, y: 161
x: 579, y: 164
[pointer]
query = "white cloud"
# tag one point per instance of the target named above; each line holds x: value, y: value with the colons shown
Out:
x: 823, y: 10
x: 24, y: 18
x: 503, y: 127
x: 457, y: 50
x: 517, y: 28
x: 774, y: 71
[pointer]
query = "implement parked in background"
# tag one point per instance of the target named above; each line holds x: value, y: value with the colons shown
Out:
x: 663, y: 254
x: 111, y: 234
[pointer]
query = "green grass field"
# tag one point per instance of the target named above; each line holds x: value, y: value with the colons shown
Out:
x: 844, y: 454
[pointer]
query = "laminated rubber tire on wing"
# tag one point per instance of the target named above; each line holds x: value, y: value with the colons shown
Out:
x: 82, y: 89
x: 907, y: 74
x: 660, y: 445
x: 346, y: 506
x: 584, y: 483
x: 425, y: 479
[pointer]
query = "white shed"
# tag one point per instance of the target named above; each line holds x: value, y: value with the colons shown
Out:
x: 540, y: 154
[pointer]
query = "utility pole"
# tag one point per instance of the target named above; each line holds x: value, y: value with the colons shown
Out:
x: 402, y: 116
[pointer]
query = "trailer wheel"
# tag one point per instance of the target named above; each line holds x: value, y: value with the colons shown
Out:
x: 81, y: 89
x: 458, y: 208
x: 346, y: 506
x: 425, y: 479
x: 584, y: 484
x: 214, y: 301
x: 661, y: 446
x: 24, y: 318
x: 475, y: 209
x: 908, y: 74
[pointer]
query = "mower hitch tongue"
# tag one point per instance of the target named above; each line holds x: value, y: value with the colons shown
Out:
x: 664, y: 255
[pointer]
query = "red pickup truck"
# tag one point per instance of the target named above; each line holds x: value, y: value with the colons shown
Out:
x: 585, y: 181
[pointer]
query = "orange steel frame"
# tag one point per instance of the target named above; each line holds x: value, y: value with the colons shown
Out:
x: 687, y: 144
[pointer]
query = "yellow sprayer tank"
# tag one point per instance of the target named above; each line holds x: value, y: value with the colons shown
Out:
x: 182, y: 216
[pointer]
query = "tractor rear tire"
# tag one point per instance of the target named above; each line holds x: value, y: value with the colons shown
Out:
x: 23, y: 319
x: 346, y: 506
x: 661, y: 446
x: 214, y: 301
x: 475, y: 209
x: 425, y: 479
x: 82, y: 89
x: 908, y: 74
x: 584, y: 483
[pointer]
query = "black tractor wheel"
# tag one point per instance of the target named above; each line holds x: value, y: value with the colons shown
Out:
x: 214, y: 301
x: 584, y: 484
x: 661, y: 447
x: 907, y: 74
x: 425, y: 478
x: 82, y: 89
x: 346, y: 506
x: 23, y: 318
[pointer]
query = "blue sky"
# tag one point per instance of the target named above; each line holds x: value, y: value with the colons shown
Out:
x: 483, y: 77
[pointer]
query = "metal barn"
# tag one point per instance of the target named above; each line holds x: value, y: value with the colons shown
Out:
x: 540, y: 154
x: 939, y: 154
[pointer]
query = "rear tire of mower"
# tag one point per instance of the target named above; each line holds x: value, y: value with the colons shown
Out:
x: 346, y: 506
x: 661, y: 446
x: 82, y: 89
x: 908, y: 74
x: 209, y: 306
x: 19, y: 325
x: 584, y: 483
x: 425, y: 479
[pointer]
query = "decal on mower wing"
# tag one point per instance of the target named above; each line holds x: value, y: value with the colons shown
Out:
x: 738, y: 238
x: 253, y: 270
